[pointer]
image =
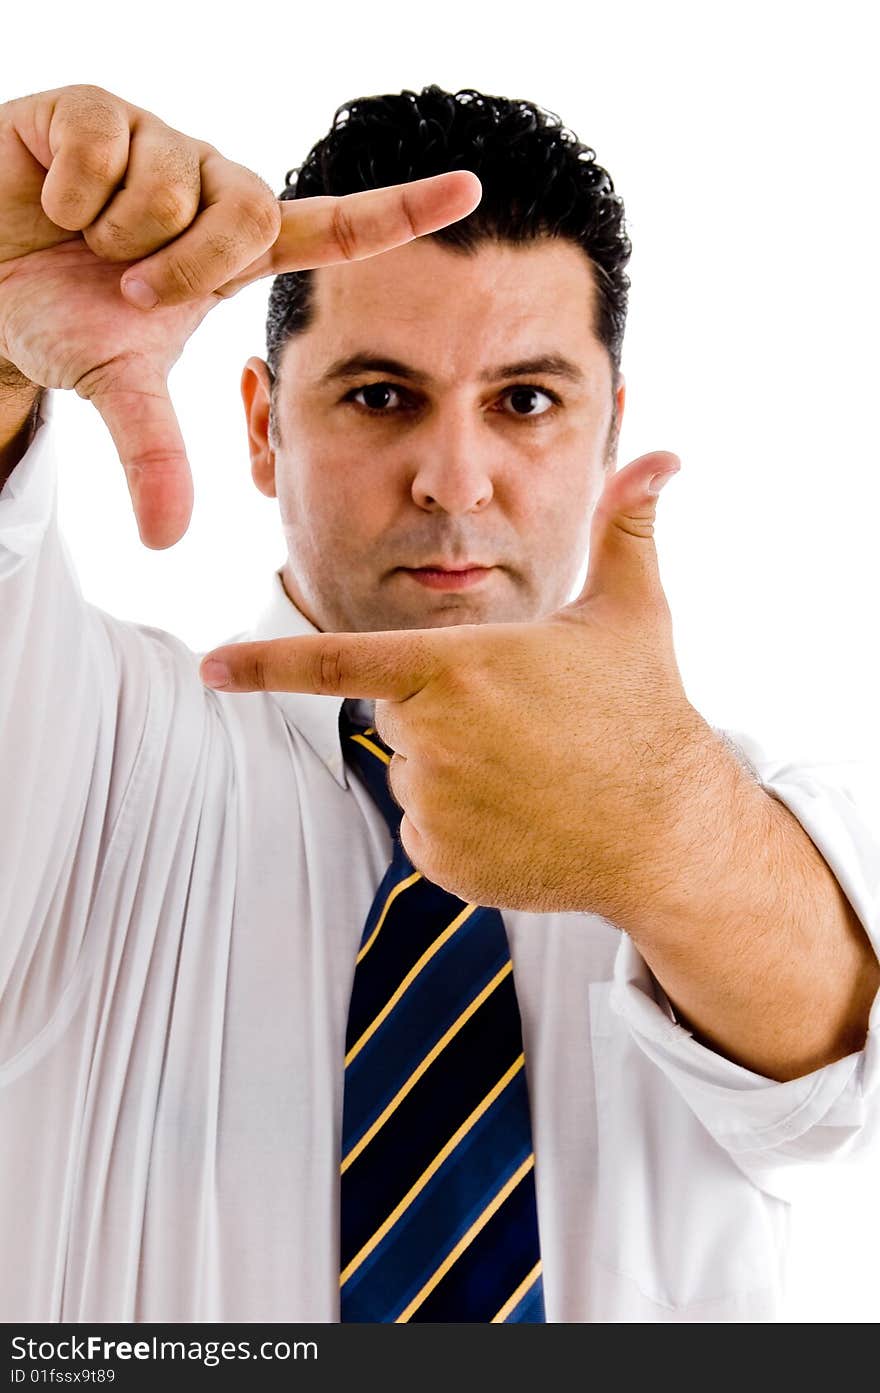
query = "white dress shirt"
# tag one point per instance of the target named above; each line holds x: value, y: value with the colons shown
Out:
x: 184, y: 878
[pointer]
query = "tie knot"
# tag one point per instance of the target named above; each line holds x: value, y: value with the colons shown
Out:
x: 364, y: 750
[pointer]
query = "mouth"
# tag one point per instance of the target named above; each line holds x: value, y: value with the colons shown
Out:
x: 447, y: 577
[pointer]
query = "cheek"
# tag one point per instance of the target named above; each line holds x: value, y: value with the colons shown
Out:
x: 334, y: 498
x: 320, y: 466
x: 554, y: 514
x: 559, y: 490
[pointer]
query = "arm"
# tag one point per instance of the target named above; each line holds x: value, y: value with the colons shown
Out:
x: 59, y: 762
x: 560, y: 766
x: 772, y: 1126
x: 750, y: 934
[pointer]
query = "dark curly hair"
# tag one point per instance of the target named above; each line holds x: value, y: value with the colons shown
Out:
x: 538, y: 180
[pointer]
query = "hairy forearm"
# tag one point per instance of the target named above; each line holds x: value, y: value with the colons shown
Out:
x: 18, y: 401
x: 748, y: 931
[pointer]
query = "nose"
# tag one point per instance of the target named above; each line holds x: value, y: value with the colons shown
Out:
x: 452, y: 461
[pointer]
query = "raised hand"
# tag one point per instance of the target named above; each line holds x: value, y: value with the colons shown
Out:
x: 540, y: 766
x: 95, y: 194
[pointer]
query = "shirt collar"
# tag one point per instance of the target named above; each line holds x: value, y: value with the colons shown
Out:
x: 316, y: 717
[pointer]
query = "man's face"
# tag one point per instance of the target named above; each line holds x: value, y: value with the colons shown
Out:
x: 440, y: 411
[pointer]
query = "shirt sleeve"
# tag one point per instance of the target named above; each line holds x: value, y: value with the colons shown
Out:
x: 771, y: 1129
x: 70, y: 675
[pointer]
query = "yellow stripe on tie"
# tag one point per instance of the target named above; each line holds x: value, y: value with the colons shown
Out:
x: 398, y: 890
x: 466, y: 1239
x: 516, y: 1298
x: 432, y: 1169
x: 425, y: 1064
x: 409, y: 979
x: 368, y: 745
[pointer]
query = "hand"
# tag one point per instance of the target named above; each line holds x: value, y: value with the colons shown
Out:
x: 540, y: 766
x: 95, y: 193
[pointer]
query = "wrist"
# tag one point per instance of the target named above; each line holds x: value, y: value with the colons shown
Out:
x: 706, y: 815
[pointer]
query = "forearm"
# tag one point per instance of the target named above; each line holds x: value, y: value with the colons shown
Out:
x: 18, y: 402
x: 748, y: 931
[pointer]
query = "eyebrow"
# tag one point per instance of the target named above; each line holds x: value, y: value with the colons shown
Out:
x: 545, y: 364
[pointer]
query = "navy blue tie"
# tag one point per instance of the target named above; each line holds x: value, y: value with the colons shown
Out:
x: 437, y: 1186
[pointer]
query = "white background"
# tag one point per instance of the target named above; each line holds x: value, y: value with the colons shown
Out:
x: 743, y: 138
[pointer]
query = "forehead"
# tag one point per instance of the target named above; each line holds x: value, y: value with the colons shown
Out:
x: 453, y: 313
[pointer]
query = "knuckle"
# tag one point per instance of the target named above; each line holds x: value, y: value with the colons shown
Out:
x: 330, y: 669
x: 636, y: 526
x: 108, y: 239
x: 343, y: 232
x: 91, y: 92
x: 184, y: 276
x: 155, y: 461
x: 172, y: 207
x: 259, y: 675
x: 95, y: 163
x: 220, y: 248
x: 408, y: 218
x: 96, y: 113
x: 175, y: 157
x: 260, y: 218
x: 97, y: 380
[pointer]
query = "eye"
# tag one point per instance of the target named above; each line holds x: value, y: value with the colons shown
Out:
x: 379, y: 397
x: 528, y: 401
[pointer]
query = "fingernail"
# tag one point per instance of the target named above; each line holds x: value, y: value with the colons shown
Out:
x: 214, y: 673
x: 140, y: 294
x: 659, y: 481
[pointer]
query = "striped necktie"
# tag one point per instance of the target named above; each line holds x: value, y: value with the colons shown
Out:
x: 437, y: 1188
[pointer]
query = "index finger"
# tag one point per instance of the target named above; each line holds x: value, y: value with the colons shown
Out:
x: 322, y: 230
x: 388, y: 666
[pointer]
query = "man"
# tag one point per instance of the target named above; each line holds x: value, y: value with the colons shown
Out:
x: 261, y: 1064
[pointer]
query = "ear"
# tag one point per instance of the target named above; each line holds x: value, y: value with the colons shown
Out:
x: 256, y: 395
x: 620, y: 396
x: 614, y: 429
x: 618, y: 401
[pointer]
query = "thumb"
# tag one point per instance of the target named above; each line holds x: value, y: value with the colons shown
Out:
x: 623, y: 558
x: 133, y: 400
